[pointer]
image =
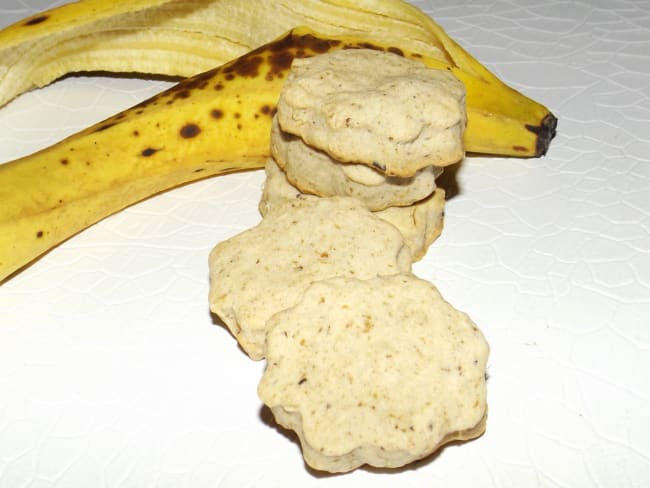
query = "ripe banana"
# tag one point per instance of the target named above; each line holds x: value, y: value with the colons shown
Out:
x: 212, y: 123
x: 186, y: 37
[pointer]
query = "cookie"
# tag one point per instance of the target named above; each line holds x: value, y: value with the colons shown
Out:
x: 420, y: 224
x: 277, y: 191
x: 375, y: 108
x: 380, y: 372
x: 266, y: 269
x: 316, y: 172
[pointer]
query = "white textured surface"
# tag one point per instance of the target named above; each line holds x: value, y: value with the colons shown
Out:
x: 113, y: 374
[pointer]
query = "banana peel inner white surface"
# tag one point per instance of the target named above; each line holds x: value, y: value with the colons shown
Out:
x: 113, y: 372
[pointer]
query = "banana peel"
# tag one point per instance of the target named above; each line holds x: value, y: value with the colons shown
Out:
x: 213, y: 123
x: 183, y: 38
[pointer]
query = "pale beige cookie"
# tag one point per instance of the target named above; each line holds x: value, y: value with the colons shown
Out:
x: 420, y: 224
x: 277, y: 191
x: 375, y: 108
x: 380, y: 372
x: 266, y: 269
x: 316, y: 172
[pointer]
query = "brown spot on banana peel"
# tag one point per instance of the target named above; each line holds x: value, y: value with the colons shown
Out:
x: 183, y: 94
x: 190, y: 130
x: 317, y: 44
x: 246, y: 66
x: 268, y: 110
x: 198, y: 82
x: 36, y: 20
x: 369, y: 45
x: 280, y: 62
x: 106, y: 125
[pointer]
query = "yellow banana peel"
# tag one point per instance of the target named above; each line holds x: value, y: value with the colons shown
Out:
x: 183, y: 38
x: 216, y: 121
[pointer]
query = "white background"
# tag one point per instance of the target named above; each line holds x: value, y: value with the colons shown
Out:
x: 114, y: 374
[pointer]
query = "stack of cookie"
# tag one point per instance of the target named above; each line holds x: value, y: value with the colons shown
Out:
x: 366, y: 362
x: 345, y: 128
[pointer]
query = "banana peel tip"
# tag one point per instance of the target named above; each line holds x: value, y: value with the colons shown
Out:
x: 545, y: 133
